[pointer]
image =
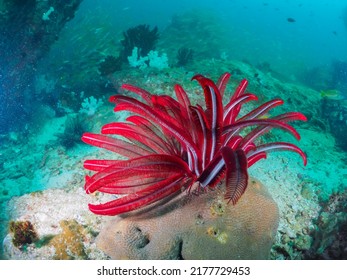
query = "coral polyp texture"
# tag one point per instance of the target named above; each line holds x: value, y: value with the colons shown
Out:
x: 172, y: 146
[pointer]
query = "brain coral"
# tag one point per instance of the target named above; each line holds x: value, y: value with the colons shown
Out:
x: 205, y: 228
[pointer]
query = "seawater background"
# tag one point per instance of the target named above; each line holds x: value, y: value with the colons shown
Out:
x: 257, y: 32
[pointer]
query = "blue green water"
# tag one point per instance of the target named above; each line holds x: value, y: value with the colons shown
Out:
x: 299, y: 43
x: 254, y: 30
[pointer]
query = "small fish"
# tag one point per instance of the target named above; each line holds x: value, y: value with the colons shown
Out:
x: 291, y: 19
x: 331, y: 94
x: 335, y: 33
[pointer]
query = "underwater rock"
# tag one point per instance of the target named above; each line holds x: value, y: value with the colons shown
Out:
x: 197, y: 227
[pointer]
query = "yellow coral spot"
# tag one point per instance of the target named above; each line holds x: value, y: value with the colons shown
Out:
x: 212, y: 231
x: 221, y: 237
x: 218, y: 207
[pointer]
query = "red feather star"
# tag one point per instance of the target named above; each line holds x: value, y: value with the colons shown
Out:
x: 171, y: 145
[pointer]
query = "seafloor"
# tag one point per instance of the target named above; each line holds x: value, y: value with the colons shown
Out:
x: 42, y: 181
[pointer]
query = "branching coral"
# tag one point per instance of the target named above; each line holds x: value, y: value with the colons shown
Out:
x: 90, y: 105
x: 152, y: 60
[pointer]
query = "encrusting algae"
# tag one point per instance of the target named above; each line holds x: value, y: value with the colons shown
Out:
x: 23, y: 233
x: 69, y: 243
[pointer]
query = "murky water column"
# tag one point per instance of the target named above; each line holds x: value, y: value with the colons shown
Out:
x: 27, y: 30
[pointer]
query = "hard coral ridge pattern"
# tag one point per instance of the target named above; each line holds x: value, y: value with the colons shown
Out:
x: 203, y: 227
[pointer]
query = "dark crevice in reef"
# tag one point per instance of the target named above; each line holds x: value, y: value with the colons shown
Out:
x: 179, y: 254
x: 143, y: 239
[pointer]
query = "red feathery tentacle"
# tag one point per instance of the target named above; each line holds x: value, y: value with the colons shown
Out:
x: 255, y: 158
x: 115, y: 145
x: 222, y: 83
x: 166, y: 122
x: 228, y: 109
x: 213, y: 172
x: 157, y: 164
x: 261, y: 122
x: 135, y: 134
x: 139, y: 91
x: 183, y: 100
x: 141, y: 198
x: 287, y: 117
x: 137, y: 183
x: 261, y: 110
x: 279, y: 146
x: 236, y: 173
x: 154, y: 133
x: 214, y: 111
x: 98, y: 165
x: 240, y: 90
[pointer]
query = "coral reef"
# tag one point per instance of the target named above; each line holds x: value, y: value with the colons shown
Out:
x: 42, y: 164
x: 23, y: 233
x: 330, y: 233
x: 197, y: 227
